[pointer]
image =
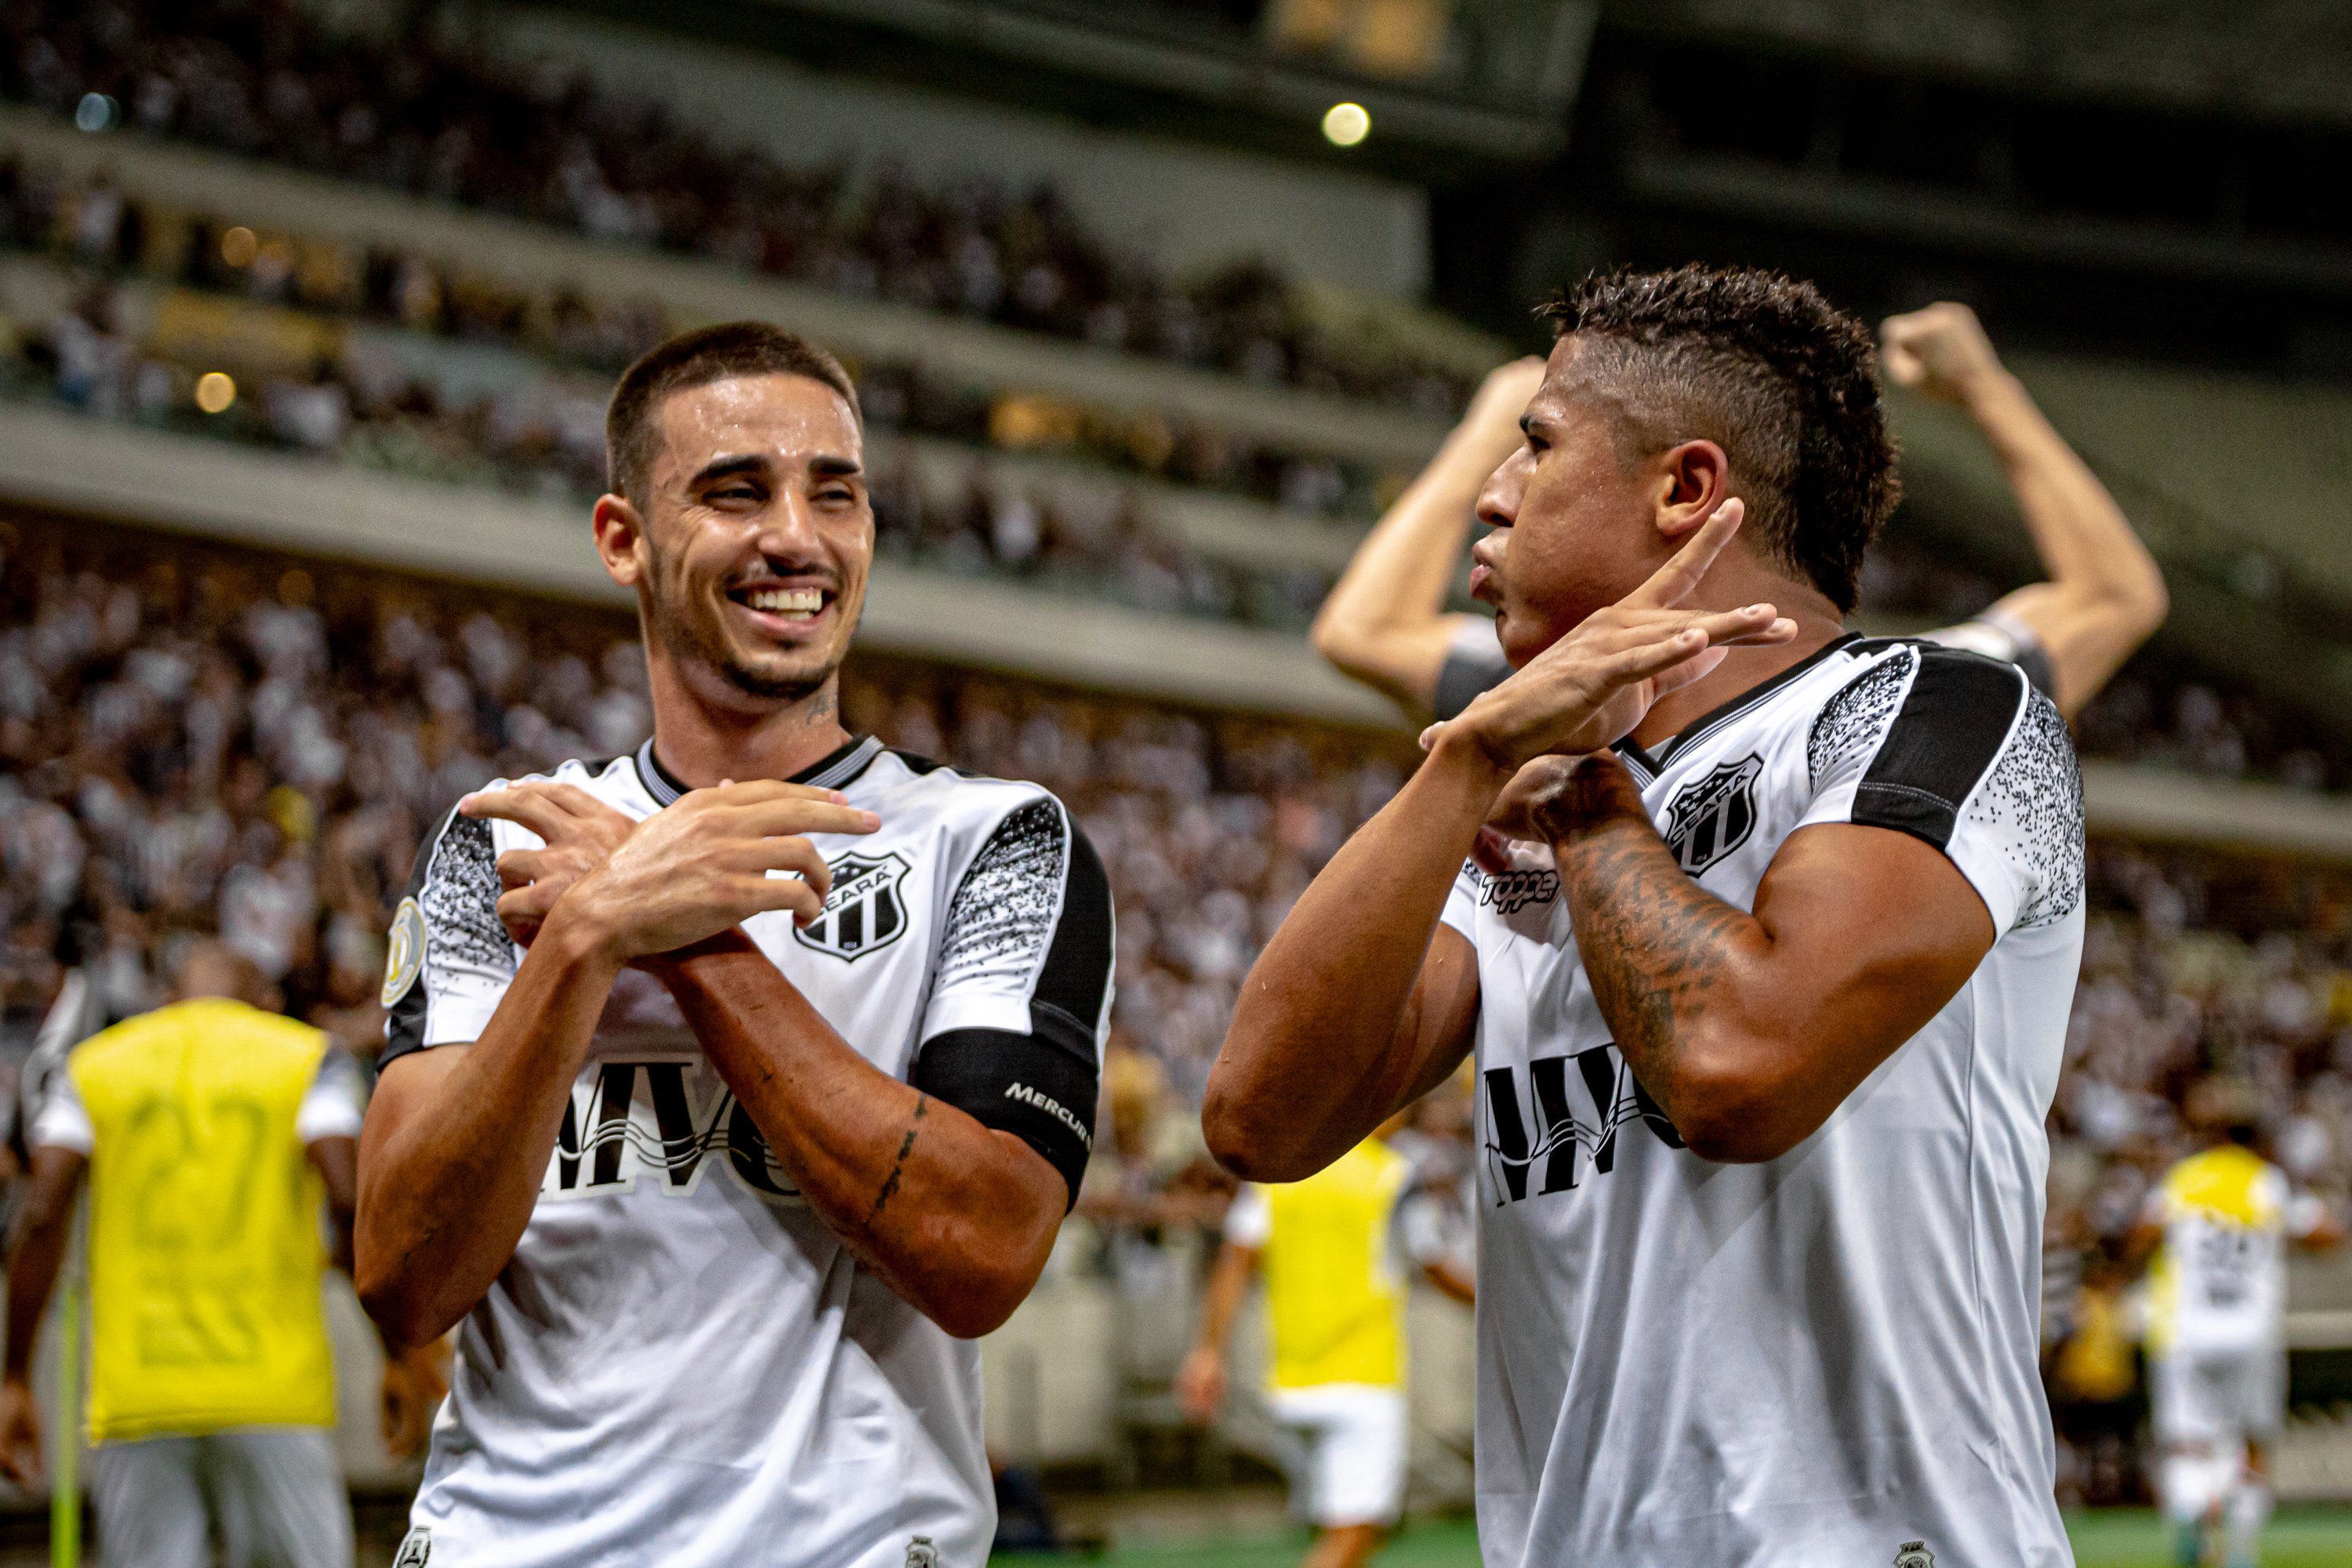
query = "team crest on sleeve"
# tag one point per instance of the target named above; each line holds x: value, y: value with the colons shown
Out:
x: 864, y: 911
x: 415, y: 1549
x: 404, y: 960
x: 1915, y: 1554
x: 1711, y: 816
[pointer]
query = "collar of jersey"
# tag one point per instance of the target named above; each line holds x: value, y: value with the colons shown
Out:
x: 832, y: 771
x: 1654, y: 764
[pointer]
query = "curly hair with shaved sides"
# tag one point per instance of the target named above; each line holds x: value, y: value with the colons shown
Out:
x: 1761, y: 364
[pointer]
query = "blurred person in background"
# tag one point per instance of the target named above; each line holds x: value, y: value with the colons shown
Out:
x: 1332, y: 1250
x: 211, y: 1131
x: 2217, y: 1227
x: 1385, y: 621
x: 2094, y: 1382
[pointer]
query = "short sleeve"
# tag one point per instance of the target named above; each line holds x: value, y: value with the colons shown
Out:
x: 1474, y: 665
x: 62, y: 1121
x: 1249, y: 1219
x: 336, y: 1102
x: 1461, y: 910
x: 1026, y: 944
x: 1962, y: 753
x: 2000, y: 635
x: 449, y: 960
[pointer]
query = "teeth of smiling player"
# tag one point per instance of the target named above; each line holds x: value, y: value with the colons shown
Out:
x: 795, y: 603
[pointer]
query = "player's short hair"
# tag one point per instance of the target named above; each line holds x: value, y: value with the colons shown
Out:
x: 1761, y: 364
x: 697, y: 358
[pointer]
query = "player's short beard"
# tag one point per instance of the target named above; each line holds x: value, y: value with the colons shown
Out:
x: 692, y: 639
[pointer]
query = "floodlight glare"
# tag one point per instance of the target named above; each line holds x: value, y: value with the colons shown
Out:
x: 216, y: 391
x: 1345, y: 124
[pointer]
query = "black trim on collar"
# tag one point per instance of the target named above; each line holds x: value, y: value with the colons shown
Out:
x: 1750, y: 697
x: 1641, y: 761
x: 833, y: 770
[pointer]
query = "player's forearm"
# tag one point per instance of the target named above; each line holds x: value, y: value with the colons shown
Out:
x: 2082, y: 535
x: 36, y: 1252
x: 1384, y: 621
x: 1676, y: 970
x: 451, y: 1160
x: 952, y: 1215
x: 1318, y: 1054
x: 1220, y: 1304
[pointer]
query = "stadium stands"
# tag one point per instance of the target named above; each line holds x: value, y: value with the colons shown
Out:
x: 417, y: 116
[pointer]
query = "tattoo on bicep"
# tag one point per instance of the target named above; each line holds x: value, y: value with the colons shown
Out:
x: 898, y: 1167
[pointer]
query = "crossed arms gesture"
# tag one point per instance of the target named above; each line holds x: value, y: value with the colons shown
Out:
x: 956, y: 1218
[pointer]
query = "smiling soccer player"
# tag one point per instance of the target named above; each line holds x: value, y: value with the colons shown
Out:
x: 720, y: 1169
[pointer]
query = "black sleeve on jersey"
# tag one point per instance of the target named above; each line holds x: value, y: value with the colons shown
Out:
x: 1466, y: 676
x: 1020, y: 1084
x: 1946, y: 735
x: 455, y: 885
x: 1040, y: 1086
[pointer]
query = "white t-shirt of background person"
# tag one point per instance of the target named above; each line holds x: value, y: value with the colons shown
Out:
x: 1824, y: 1359
x: 682, y: 1365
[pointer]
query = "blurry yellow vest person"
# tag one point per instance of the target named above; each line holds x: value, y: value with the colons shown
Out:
x: 205, y: 1245
x: 1335, y: 1295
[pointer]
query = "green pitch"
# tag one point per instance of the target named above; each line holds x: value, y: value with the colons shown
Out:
x: 2123, y: 1538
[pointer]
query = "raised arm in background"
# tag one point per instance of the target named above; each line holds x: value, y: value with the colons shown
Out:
x: 2104, y: 596
x: 1385, y: 623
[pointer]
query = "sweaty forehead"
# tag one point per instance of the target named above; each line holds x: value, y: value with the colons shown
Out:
x: 789, y: 418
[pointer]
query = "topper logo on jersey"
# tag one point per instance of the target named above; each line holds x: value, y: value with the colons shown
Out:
x: 1511, y: 891
x: 862, y: 912
x: 1712, y: 816
x: 1617, y: 1099
x: 611, y: 1135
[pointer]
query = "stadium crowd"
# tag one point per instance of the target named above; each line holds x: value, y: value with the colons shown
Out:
x: 194, y: 740
x: 2209, y: 988
x: 112, y: 236
x: 441, y: 118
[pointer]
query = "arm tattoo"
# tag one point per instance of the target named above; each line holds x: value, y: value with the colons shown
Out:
x: 899, y: 1167
x: 1653, y: 942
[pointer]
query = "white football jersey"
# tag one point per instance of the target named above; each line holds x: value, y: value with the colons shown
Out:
x: 1830, y: 1357
x: 682, y: 1365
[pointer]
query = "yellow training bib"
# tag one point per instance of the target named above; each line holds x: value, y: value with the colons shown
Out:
x: 1334, y: 1294
x: 204, y: 1251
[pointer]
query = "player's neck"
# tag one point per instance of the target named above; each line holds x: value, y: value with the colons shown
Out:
x: 700, y: 743
x: 1742, y: 669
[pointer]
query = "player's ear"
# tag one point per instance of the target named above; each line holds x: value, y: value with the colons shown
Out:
x: 620, y: 539
x: 1693, y: 479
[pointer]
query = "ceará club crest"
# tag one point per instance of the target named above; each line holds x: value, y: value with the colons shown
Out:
x: 864, y: 911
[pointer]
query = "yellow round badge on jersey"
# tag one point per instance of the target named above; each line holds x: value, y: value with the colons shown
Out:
x: 406, y: 960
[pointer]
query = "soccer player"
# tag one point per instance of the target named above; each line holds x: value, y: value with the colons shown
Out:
x: 1330, y: 1249
x: 732, y: 1087
x: 211, y: 1131
x: 1385, y: 622
x: 1765, y: 1055
x: 2217, y: 1224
